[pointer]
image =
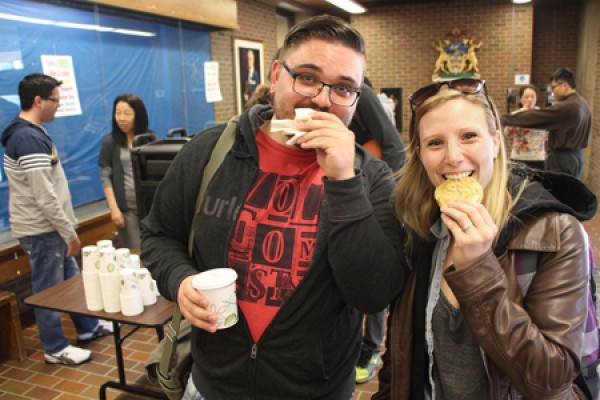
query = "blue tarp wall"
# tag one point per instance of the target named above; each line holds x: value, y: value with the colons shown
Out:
x: 165, y: 68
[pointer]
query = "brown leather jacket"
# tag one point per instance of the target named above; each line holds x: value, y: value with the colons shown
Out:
x: 531, y: 347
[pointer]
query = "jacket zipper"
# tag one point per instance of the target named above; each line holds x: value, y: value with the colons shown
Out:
x: 254, y: 351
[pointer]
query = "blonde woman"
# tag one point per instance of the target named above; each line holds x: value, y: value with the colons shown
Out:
x: 465, y: 326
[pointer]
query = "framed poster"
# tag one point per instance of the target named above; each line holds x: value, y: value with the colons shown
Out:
x: 249, y: 69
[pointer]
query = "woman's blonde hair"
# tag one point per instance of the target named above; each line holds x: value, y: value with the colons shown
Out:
x: 413, y: 197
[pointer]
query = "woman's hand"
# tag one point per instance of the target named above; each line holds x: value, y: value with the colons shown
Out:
x: 472, y: 228
x: 194, y: 306
x: 117, y: 218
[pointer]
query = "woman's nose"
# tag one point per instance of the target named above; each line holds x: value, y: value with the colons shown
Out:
x: 453, y: 153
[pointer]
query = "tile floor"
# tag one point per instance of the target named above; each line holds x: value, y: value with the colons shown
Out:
x: 33, y: 379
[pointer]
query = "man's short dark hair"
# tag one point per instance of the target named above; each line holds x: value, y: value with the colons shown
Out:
x: 564, y: 75
x: 36, y: 85
x: 325, y: 27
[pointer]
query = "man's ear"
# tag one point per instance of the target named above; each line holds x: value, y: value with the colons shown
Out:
x: 37, y: 101
x: 275, y: 70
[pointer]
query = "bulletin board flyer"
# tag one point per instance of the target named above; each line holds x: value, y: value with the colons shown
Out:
x: 61, y: 68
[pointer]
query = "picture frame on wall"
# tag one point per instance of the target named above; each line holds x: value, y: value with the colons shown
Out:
x: 249, y: 69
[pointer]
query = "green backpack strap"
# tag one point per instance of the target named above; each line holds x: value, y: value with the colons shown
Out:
x: 224, y: 144
x: 219, y: 152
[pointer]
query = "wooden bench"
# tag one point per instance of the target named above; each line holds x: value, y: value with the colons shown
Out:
x: 11, y: 336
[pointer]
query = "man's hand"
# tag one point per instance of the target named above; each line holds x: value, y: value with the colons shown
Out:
x: 333, y: 142
x: 193, y: 306
x: 73, y: 248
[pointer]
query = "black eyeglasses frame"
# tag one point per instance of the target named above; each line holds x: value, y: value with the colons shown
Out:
x: 294, y: 75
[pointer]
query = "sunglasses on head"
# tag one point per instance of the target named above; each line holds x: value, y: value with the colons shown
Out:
x: 465, y: 86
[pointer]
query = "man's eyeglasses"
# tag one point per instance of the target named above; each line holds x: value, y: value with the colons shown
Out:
x: 465, y: 86
x: 309, y: 86
x: 557, y: 85
x: 57, y: 101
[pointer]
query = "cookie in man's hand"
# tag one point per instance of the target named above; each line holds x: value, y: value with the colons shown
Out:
x: 462, y: 188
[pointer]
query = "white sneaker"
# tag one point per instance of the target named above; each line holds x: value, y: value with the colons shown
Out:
x: 70, y: 355
x: 104, y: 328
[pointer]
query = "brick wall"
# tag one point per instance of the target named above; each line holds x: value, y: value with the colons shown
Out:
x: 518, y: 39
x: 555, y: 37
x: 399, y: 42
x: 257, y: 22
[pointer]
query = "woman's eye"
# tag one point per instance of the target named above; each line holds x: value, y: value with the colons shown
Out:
x: 470, y: 136
x: 435, y: 143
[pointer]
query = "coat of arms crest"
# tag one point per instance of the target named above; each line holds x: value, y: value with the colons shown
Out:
x: 457, y: 57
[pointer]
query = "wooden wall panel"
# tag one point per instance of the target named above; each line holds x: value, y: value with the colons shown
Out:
x: 218, y: 13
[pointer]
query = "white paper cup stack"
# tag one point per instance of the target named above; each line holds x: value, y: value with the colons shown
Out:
x: 122, y: 257
x: 131, y: 295
x: 146, y: 286
x: 109, y: 280
x: 91, y: 279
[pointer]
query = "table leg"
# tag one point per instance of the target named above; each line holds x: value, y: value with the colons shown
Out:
x: 130, y: 389
x: 122, y: 384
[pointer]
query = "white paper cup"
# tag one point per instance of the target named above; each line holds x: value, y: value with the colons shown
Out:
x: 110, y: 284
x: 108, y: 264
x: 92, y: 290
x: 131, y: 304
x: 102, y: 244
x: 122, y: 258
x: 146, y: 285
x: 135, y: 261
x: 90, y: 257
x: 218, y: 286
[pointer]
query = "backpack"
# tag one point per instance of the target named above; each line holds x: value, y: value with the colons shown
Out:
x: 588, y: 380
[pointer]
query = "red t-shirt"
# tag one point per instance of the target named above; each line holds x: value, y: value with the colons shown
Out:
x: 274, y: 238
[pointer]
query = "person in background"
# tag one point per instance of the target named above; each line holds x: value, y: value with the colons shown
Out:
x: 487, y: 312
x: 568, y: 122
x: 262, y: 95
x: 42, y: 216
x: 308, y: 228
x: 374, y: 129
x: 130, y: 119
x: 527, y: 145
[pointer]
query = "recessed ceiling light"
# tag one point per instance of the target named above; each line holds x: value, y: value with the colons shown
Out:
x: 349, y: 6
x: 521, y: 1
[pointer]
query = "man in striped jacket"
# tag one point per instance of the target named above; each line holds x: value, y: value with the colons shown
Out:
x: 41, y: 214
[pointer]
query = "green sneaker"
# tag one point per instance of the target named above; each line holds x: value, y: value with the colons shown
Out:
x: 366, y: 374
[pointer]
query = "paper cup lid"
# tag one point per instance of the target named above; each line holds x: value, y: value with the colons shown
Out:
x: 214, y: 278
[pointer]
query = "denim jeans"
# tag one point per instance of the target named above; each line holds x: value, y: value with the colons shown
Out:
x: 191, y: 393
x: 50, y: 266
